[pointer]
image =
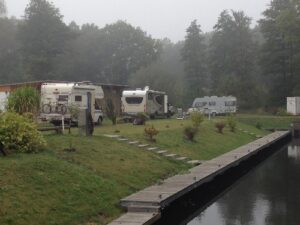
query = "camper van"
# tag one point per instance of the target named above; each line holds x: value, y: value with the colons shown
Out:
x: 58, y: 99
x: 153, y: 103
x: 215, y: 105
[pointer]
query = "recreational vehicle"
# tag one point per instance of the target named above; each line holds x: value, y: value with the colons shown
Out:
x: 153, y: 103
x: 215, y: 105
x: 59, y: 99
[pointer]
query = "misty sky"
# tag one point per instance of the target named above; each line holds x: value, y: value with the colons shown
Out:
x: 159, y: 18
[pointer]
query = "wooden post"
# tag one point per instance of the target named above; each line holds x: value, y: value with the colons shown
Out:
x: 2, y: 149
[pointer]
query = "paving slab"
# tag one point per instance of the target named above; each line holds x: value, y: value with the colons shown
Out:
x: 170, y: 155
x: 162, y: 152
x: 143, y: 145
x: 182, y: 158
x: 111, y: 136
x: 152, y: 148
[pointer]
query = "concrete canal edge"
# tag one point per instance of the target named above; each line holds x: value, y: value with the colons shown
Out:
x: 145, y: 207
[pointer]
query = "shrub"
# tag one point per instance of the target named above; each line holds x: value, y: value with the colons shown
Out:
x: 150, y: 132
x: 220, y: 126
x: 24, y: 100
x: 282, y: 112
x: 190, y: 132
x: 111, y: 112
x: 197, y: 118
x: 18, y: 133
x: 231, y: 122
x: 258, y: 125
x: 74, y: 111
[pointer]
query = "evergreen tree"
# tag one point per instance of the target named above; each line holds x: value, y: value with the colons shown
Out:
x: 194, y: 58
x: 281, y: 51
x: 3, y: 9
x: 232, y: 57
x: 43, y: 36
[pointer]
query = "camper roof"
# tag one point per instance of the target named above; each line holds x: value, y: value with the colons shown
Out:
x: 139, y: 92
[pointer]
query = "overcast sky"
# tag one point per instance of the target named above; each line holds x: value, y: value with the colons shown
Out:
x: 159, y: 18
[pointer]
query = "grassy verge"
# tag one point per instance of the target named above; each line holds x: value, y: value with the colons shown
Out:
x: 268, y: 121
x: 208, y: 143
x: 59, y: 187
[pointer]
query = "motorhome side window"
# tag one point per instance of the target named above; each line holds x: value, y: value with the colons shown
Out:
x: 212, y: 103
x: 230, y: 103
x: 134, y: 100
x: 63, y: 98
x: 200, y: 104
x: 78, y: 98
x: 97, y: 104
x: 159, y: 99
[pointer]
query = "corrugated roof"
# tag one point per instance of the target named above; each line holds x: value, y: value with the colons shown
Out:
x: 58, y: 81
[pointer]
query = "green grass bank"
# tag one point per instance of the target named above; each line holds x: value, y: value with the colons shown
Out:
x: 84, y: 187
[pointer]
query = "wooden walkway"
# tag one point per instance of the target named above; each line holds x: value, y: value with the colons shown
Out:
x: 144, y: 207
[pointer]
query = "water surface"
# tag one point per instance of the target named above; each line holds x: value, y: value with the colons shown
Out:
x: 268, y: 195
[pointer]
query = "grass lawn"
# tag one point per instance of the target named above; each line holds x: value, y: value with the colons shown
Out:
x: 57, y: 187
x: 208, y: 143
x: 268, y: 121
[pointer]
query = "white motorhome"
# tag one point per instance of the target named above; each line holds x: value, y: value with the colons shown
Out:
x: 153, y: 103
x: 58, y: 98
x: 215, y: 105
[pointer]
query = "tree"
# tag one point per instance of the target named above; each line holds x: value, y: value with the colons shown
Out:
x: 280, y: 53
x: 3, y: 9
x: 232, y: 58
x: 43, y: 36
x: 126, y: 50
x: 165, y: 74
x: 194, y: 58
x: 10, y: 60
x: 108, y: 55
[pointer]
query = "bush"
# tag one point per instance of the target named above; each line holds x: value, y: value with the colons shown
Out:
x: 151, y: 132
x: 258, y: 125
x: 282, y: 112
x: 24, y: 100
x: 197, y: 118
x: 220, y: 126
x: 190, y: 132
x: 20, y: 134
x: 231, y: 122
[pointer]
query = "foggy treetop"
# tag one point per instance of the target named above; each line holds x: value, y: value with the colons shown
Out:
x: 257, y: 64
x: 160, y: 18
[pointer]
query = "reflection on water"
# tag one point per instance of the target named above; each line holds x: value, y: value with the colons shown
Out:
x: 269, y: 195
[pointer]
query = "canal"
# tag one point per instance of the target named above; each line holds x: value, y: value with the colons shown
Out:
x: 268, y: 194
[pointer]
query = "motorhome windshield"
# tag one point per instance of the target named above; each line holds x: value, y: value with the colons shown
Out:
x: 134, y: 100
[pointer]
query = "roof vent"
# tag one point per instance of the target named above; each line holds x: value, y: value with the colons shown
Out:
x: 147, y: 88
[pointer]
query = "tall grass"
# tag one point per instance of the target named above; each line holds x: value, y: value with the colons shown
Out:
x: 24, y: 100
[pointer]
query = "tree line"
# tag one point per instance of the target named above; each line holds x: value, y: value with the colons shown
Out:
x: 260, y: 65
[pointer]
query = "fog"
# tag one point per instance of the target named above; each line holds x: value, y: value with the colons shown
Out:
x: 160, y: 18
